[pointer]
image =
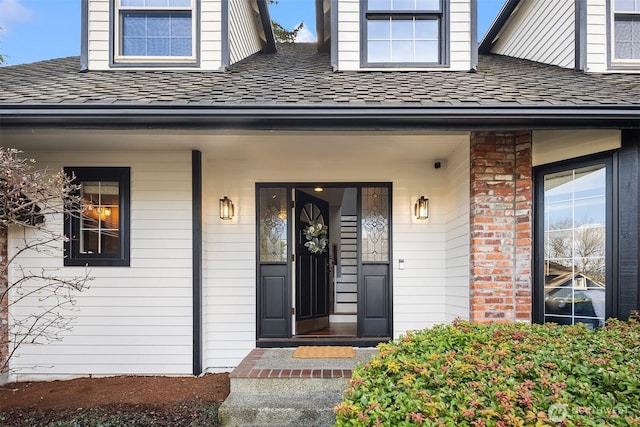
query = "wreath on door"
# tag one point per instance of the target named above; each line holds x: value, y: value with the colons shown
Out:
x: 316, y: 235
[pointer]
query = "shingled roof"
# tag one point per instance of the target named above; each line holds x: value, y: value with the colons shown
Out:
x: 298, y: 74
x: 298, y: 83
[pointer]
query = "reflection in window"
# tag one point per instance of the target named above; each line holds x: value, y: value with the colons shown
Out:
x: 375, y: 224
x: 575, y: 246
x: 100, y: 222
x: 273, y: 224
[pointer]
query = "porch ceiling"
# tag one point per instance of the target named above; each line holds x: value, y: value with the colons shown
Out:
x: 246, y: 146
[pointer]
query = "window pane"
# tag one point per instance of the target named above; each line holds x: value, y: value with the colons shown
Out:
x: 379, y: 51
x: 426, y: 29
x: 575, y: 246
x: 627, y: 37
x: 627, y: 6
x: 100, y: 221
x: 157, y: 34
x: 402, y: 51
x: 375, y: 224
x: 379, y: 29
x: 404, y: 5
x: 273, y: 224
x: 428, y: 5
x: 401, y: 29
x: 379, y: 4
x: 427, y: 51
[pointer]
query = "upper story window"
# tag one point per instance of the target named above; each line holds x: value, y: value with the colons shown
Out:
x: 155, y: 31
x: 626, y: 30
x: 100, y: 234
x: 403, y: 32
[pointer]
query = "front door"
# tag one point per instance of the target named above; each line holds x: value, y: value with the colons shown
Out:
x: 312, y: 263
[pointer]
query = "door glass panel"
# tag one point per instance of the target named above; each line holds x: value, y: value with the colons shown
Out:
x: 273, y: 225
x: 375, y: 224
x: 575, y: 246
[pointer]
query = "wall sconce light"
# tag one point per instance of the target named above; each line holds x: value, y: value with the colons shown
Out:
x: 422, y: 208
x: 226, y: 208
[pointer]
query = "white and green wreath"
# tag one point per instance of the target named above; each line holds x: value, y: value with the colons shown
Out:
x: 316, y: 235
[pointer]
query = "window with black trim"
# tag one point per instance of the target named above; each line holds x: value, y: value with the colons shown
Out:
x: 99, y: 234
x: 403, y: 32
x: 574, y: 242
x: 626, y: 30
x: 155, y: 31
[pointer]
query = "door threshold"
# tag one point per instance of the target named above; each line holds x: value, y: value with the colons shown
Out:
x: 298, y: 341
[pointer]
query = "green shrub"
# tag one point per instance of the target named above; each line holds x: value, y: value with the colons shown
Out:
x: 500, y: 375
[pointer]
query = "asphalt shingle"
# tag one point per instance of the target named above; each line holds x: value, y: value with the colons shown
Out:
x: 298, y: 74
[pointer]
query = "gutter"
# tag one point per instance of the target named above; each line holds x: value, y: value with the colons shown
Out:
x: 320, y: 117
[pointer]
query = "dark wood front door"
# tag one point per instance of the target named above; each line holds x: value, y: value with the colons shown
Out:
x: 312, y: 263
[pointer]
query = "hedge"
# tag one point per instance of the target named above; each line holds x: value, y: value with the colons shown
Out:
x: 500, y: 375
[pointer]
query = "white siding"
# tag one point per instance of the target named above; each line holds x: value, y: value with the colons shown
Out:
x: 210, y: 35
x: 99, y: 34
x: 427, y: 247
x: 244, y: 38
x: 541, y: 31
x: 459, y: 36
x: 596, y: 36
x: 132, y: 320
x: 458, y: 236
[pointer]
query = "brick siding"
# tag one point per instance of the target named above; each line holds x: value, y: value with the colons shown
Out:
x: 4, y: 303
x: 501, y: 227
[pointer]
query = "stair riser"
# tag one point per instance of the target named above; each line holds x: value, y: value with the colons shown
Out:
x: 288, y: 385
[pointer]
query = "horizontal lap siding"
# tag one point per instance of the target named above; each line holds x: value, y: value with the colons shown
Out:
x: 137, y: 319
x: 419, y: 290
x: 99, y: 28
x: 458, y: 237
x: 541, y: 31
x: 210, y: 34
x: 596, y: 36
x: 244, y: 39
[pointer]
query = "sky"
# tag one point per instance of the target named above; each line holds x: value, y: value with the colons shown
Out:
x: 34, y: 30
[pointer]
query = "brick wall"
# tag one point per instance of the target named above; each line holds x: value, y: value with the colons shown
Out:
x: 4, y: 307
x: 501, y: 227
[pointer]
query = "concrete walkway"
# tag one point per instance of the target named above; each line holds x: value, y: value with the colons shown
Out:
x: 270, y: 387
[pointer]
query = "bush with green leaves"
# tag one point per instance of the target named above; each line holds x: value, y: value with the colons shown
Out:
x: 500, y: 375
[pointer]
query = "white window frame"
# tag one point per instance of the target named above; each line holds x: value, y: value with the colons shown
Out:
x: 119, y: 57
x: 634, y: 62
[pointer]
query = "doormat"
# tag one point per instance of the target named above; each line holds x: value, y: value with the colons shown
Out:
x: 324, y: 352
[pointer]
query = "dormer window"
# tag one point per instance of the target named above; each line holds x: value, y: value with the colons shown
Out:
x: 155, y: 31
x: 626, y: 31
x: 401, y: 33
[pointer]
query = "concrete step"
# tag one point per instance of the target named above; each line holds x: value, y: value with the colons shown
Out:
x: 279, y: 409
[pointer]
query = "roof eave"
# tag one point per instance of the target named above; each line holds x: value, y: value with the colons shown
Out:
x: 315, y: 117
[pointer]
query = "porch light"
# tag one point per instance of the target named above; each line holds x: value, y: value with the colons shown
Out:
x: 226, y: 208
x: 422, y: 208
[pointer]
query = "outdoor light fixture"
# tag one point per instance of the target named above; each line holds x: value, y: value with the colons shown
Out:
x: 226, y: 208
x: 422, y: 208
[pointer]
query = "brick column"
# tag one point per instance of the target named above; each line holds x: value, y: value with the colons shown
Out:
x: 4, y: 302
x: 501, y: 227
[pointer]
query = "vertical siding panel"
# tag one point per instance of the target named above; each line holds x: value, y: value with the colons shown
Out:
x: 244, y: 37
x: 132, y: 320
x: 541, y: 31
